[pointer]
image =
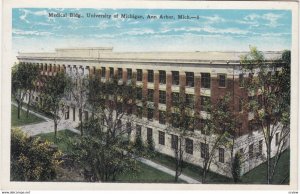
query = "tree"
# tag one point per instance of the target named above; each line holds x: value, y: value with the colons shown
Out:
x: 180, y: 129
x: 55, y: 88
x: 236, y: 168
x: 217, y: 132
x: 105, y: 150
x: 78, y: 89
x: 268, y: 88
x: 23, y: 82
x: 32, y: 159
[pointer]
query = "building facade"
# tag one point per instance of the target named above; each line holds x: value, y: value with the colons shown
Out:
x: 161, y: 77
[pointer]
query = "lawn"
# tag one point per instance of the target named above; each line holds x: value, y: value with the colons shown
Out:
x: 31, y: 119
x: 63, y: 139
x: 145, y: 174
x: 255, y: 176
x: 190, y: 170
x: 258, y: 174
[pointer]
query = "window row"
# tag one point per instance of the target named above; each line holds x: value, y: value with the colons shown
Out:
x: 188, y: 143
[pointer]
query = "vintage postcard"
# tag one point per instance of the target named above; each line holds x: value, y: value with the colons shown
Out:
x: 192, y: 95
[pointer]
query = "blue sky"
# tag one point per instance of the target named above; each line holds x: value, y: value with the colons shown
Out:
x: 215, y: 30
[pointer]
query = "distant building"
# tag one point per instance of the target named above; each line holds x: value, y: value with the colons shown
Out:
x: 161, y: 76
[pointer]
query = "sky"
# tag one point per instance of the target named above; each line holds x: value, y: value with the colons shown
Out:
x: 213, y: 30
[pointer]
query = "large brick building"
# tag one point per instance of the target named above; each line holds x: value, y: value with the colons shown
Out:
x: 161, y: 77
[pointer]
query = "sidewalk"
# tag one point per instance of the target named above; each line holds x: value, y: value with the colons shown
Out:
x: 167, y: 170
x: 48, y: 126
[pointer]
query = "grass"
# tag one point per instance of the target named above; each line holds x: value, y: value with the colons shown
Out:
x: 255, y: 176
x: 63, y: 139
x: 146, y: 174
x: 191, y: 170
x: 31, y: 119
x: 258, y: 174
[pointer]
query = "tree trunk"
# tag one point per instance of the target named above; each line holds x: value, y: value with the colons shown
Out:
x: 55, y: 129
x: 204, y: 173
x: 28, y: 104
x: 269, y: 161
x: 81, y: 130
x: 19, y: 110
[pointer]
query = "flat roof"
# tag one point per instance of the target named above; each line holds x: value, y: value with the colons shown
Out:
x: 107, y: 54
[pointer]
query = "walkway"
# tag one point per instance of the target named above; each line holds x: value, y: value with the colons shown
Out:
x: 48, y: 126
x: 167, y: 170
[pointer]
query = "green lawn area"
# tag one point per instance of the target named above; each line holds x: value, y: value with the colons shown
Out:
x: 255, y: 176
x: 63, y: 139
x: 258, y: 174
x: 146, y: 174
x: 23, y: 119
x: 190, y: 170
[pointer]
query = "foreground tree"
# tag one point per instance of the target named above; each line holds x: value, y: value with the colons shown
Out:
x: 180, y: 129
x: 55, y: 88
x: 105, y: 150
x: 217, y: 133
x: 78, y: 90
x: 32, y: 159
x: 269, y: 101
x: 23, y: 83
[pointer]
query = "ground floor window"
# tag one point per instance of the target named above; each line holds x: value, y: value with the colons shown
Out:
x: 221, y: 155
x: 149, y: 134
x: 161, y: 138
x: 138, y: 131
x: 189, y: 146
x: 250, y: 151
x: 67, y: 114
x: 174, y: 142
x: 204, y: 150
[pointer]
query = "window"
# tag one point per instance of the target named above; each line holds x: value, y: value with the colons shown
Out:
x: 119, y: 125
x: 175, y: 120
x: 129, y: 74
x: 162, y: 77
x: 252, y: 125
x: 103, y: 72
x: 221, y: 155
x: 139, y: 112
x: 241, y: 104
x: 174, y: 141
x: 128, y: 128
x: 189, y: 79
x: 175, y: 77
x: 86, y: 115
x: 222, y: 80
x: 74, y: 113
x: 162, y: 117
x: 241, y: 80
x: 150, y: 95
x: 149, y: 134
x: 204, y: 150
x: 138, y: 131
x: 205, y: 103
x: 251, y: 151
x: 150, y: 76
x: 150, y: 114
x: 189, y: 100
x: 161, y: 138
x: 277, y: 139
x: 162, y: 97
x: 120, y: 73
x: 189, y: 146
x: 189, y: 122
x: 175, y: 98
x: 139, y: 93
x: 139, y: 76
x: 111, y: 72
x: 260, y: 146
x: 67, y: 113
x: 205, y: 80
x: 80, y: 114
